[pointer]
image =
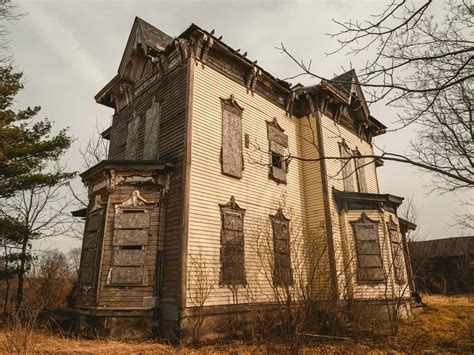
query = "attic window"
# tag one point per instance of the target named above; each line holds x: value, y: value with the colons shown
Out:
x: 232, y: 161
x: 369, y: 257
x: 278, y: 143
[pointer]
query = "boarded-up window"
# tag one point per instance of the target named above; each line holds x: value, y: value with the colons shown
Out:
x: 232, y: 244
x: 347, y: 167
x: 131, y: 149
x: 282, y: 271
x: 278, y: 142
x: 231, y: 154
x: 369, y: 257
x: 131, y: 228
x: 398, y: 264
x: 90, y: 243
x: 360, y: 165
x: 152, y: 132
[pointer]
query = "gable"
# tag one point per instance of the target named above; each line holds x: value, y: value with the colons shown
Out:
x: 144, y: 38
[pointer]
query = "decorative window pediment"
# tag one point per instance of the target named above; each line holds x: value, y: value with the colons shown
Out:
x: 369, y: 257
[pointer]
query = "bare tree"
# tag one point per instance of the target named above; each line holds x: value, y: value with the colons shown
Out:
x: 96, y: 148
x: 43, y: 213
x: 202, y: 283
x: 423, y: 65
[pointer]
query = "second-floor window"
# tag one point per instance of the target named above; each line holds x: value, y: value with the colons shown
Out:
x: 347, y: 167
x: 131, y: 150
x: 278, y: 143
x: 232, y: 162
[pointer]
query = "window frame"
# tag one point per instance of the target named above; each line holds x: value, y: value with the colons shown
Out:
x: 232, y: 243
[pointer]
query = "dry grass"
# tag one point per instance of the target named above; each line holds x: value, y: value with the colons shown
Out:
x: 446, y: 325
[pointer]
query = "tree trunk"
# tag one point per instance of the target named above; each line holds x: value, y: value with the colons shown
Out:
x: 21, y: 273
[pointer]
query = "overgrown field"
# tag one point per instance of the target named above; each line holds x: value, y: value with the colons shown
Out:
x: 445, y: 325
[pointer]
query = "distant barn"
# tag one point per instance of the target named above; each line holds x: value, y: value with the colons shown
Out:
x: 443, y: 265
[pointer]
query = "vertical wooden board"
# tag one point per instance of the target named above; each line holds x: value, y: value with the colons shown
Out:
x: 90, y: 240
x: 132, y: 138
x: 233, y: 221
x: 152, y: 132
x: 88, y: 257
x: 277, y: 136
x: 230, y: 237
x: 138, y: 218
x: 278, y: 174
x: 93, y: 221
x: 370, y: 274
x: 130, y: 237
x: 87, y: 275
x: 361, y: 167
x: 232, y: 159
x: 126, y: 275
x: 128, y: 257
x: 366, y: 231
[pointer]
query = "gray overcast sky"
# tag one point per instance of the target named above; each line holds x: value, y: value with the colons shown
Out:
x: 68, y: 50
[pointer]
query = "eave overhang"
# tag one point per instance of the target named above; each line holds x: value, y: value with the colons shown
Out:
x: 129, y: 165
x: 79, y: 213
x: 364, y: 200
x: 406, y: 225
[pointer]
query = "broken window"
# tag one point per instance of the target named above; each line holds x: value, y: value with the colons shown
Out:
x: 90, y: 246
x: 231, y: 152
x: 131, y: 226
x: 347, y: 167
x: 152, y: 132
x: 282, y: 272
x: 232, y: 244
x: 360, y: 171
x: 131, y: 150
x: 398, y: 264
x: 369, y: 257
x: 278, y: 142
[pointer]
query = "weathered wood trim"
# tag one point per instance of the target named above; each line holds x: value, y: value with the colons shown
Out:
x: 186, y: 183
x: 327, y: 207
x: 102, y: 249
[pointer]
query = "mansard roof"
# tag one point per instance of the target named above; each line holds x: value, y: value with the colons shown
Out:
x: 343, y: 89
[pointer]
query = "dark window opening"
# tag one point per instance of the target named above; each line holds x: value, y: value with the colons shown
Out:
x: 277, y: 160
x: 130, y: 247
x: 133, y: 211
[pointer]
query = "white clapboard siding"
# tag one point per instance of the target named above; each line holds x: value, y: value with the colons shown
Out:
x: 255, y: 192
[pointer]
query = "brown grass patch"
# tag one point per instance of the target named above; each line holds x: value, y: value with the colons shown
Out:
x: 446, y: 325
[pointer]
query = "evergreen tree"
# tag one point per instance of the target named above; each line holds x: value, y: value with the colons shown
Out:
x: 26, y: 148
x: 28, y: 184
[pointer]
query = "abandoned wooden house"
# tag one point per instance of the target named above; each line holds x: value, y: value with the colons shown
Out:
x: 210, y: 159
x: 443, y: 266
